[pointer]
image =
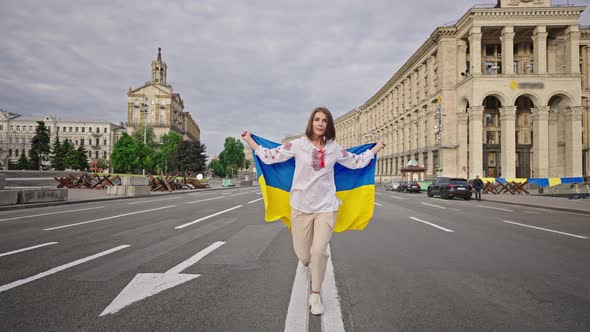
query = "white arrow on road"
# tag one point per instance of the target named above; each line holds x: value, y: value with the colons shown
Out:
x: 148, y: 284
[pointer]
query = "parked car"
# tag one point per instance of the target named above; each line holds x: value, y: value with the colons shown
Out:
x: 409, y: 186
x: 392, y: 185
x: 447, y: 187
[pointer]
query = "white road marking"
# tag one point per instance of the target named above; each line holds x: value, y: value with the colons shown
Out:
x: 50, y: 213
x: 256, y: 200
x: 332, y: 318
x: 531, y: 212
x: 200, y: 193
x: 154, y: 200
x: 204, y: 200
x: 106, y: 218
x: 378, y: 194
x: 207, y: 217
x: 431, y: 224
x: 298, y: 311
x: 396, y: 197
x: 378, y: 204
x: 436, y: 206
x: 495, y: 208
x: 59, y: 268
x: 546, y: 229
x: 27, y: 248
x: 148, y: 284
x: 247, y: 192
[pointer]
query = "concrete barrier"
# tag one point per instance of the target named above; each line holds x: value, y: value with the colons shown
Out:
x: 138, y: 190
x: 42, y: 195
x: 8, y: 197
x: 134, y: 181
x: 2, y: 181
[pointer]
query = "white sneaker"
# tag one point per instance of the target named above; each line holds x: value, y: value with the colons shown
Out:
x: 315, y: 302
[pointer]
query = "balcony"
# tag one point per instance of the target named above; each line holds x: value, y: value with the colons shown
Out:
x: 95, y: 147
x: 95, y: 134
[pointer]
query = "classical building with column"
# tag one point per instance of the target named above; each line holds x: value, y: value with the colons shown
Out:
x: 17, y: 132
x: 503, y: 92
x: 156, y: 104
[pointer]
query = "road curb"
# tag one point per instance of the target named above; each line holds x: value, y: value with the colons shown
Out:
x: 103, y: 199
x: 539, y: 206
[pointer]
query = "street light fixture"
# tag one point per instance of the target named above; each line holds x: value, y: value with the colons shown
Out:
x: 145, y: 110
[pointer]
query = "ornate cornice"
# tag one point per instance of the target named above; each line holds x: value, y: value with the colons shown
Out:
x: 486, y: 13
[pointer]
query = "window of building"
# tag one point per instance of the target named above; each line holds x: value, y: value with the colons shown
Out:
x: 515, y: 67
x: 104, y: 142
x: 96, y: 154
x: 58, y: 129
x: 82, y: 141
x: 16, y: 153
x: 64, y: 129
x: 76, y: 142
x: 83, y: 129
x: 17, y: 128
x: 104, y: 154
x: 97, y: 141
x: 89, y: 129
x: 89, y: 154
x: 70, y: 129
x: 10, y: 152
x: 31, y: 128
x: 97, y: 130
x: 76, y: 129
x: 104, y: 130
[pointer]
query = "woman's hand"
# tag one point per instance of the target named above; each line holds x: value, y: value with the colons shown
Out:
x: 378, y: 147
x: 248, y: 139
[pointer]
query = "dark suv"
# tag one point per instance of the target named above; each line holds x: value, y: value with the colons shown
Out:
x: 449, y: 188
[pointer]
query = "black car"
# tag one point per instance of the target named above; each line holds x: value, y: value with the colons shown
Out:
x: 409, y: 186
x: 447, y: 187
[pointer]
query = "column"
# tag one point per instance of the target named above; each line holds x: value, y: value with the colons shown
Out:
x: 462, y: 142
x: 572, y: 49
x: 541, y: 142
x: 555, y: 167
x: 475, y: 50
x: 461, y: 59
x: 420, y: 133
x: 422, y: 81
x: 573, y: 141
x: 540, y: 49
x: 507, y: 39
x: 430, y: 166
x: 508, y: 141
x: 475, y: 114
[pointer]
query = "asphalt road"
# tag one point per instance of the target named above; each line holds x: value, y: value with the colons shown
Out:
x: 208, y: 262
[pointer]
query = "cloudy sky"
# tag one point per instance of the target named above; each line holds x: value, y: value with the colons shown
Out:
x: 257, y: 65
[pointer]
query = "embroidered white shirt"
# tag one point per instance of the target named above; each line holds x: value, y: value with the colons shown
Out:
x: 313, y: 189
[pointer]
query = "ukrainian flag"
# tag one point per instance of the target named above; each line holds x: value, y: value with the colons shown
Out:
x: 355, y: 188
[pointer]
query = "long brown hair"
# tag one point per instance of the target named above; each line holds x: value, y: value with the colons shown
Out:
x: 330, y: 132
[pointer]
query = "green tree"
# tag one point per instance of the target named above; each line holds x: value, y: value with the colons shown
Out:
x: 81, y: 158
x: 217, y: 168
x: 23, y: 162
x: 70, y: 155
x: 40, y: 146
x: 57, y: 160
x: 233, y: 154
x: 169, y: 143
x: 150, y: 136
x: 125, y: 157
x: 102, y: 164
x: 189, y: 156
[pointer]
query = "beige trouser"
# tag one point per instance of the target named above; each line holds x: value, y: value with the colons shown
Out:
x: 311, y: 236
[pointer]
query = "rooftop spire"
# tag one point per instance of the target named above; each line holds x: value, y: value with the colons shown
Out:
x: 159, y: 54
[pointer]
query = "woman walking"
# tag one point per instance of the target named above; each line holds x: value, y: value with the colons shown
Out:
x: 313, y: 200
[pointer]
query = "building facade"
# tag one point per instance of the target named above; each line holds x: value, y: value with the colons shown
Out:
x: 156, y: 104
x: 503, y: 92
x: 17, y: 132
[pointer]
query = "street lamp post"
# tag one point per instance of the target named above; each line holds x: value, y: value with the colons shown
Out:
x: 145, y: 113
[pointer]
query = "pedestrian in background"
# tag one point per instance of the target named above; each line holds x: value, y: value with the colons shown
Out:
x: 313, y: 201
x: 477, y: 187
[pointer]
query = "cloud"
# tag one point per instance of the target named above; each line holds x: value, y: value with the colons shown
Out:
x: 257, y: 65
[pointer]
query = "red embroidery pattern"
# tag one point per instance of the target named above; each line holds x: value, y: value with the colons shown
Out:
x: 287, y: 146
x: 318, y: 159
x: 345, y: 153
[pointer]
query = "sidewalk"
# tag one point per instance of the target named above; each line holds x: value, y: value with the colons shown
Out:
x: 545, y: 202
